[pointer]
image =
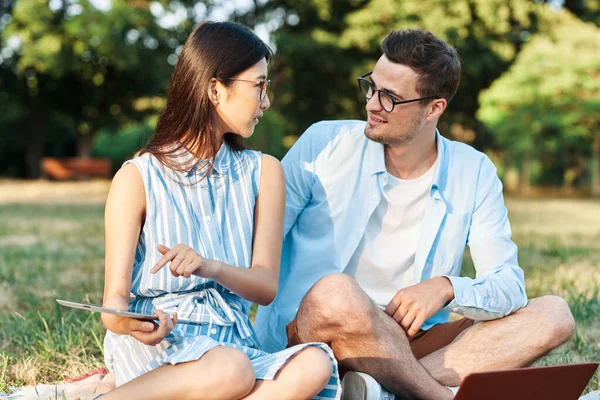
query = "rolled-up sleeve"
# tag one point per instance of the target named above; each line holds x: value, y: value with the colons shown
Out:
x: 499, y: 286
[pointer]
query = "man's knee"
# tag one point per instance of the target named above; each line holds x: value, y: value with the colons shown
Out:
x: 337, y: 299
x: 554, y: 314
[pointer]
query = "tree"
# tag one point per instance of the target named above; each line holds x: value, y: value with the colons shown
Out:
x: 587, y: 10
x: 545, y: 107
x: 79, y: 68
x: 322, y: 46
x: 84, y: 66
x: 488, y: 34
x: 313, y: 77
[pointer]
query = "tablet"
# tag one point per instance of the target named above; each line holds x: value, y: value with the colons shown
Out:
x: 121, y: 313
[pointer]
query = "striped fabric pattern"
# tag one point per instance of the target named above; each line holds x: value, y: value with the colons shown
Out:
x: 214, y: 216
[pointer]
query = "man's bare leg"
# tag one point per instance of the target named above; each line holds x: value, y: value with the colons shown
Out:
x: 512, y: 342
x: 363, y: 338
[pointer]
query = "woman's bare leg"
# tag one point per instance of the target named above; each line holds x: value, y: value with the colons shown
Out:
x: 222, y: 373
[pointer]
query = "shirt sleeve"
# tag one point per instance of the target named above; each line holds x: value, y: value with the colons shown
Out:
x: 299, y: 169
x: 499, y: 286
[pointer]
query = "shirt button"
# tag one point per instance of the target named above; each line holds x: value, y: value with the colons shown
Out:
x: 217, y: 258
x: 208, y: 218
x: 213, y: 331
x: 375, y: 198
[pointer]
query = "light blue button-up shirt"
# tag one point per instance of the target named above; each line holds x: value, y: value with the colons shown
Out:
x: 335, y: 178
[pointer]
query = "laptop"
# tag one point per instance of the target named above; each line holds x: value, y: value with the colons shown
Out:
x: 560, y: 382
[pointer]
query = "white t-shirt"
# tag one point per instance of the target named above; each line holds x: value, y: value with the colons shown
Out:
x: 383, y: 263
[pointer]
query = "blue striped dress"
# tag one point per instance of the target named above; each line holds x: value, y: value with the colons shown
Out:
x: 216, y: 218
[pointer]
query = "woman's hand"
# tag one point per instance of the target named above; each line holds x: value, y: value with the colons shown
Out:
x: 184, y: 262
x: 148, y: 332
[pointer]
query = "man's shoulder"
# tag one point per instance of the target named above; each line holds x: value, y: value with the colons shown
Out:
x: 327, y: 145
x: 467, y: 174
x: 326, y: 131
x: 464, y: 155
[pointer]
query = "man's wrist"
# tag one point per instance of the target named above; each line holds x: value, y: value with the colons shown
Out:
x: 449, y: 289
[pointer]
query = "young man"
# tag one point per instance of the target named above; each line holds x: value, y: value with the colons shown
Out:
x: 377, y: 218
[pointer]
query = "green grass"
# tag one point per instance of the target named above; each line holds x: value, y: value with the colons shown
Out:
x: 49, y: 252
x: 56, y: 251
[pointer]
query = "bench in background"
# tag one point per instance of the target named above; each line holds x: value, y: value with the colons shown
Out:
x: 75, y: 168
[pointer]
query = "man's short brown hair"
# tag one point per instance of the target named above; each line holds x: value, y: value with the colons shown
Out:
x: 436, y: 62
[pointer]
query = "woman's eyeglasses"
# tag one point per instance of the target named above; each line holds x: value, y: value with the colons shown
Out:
x: 264, y: 85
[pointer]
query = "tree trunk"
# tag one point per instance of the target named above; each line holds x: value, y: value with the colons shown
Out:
x: 36, y: 139
x: 33, y: 156
x: 525, y: 178
x: 84, y: 144
x: 595, y: 166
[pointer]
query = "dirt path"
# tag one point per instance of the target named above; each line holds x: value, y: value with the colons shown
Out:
x: 47, y: 192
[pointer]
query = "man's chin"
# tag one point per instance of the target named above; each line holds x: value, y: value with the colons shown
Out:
x: 372, y: 134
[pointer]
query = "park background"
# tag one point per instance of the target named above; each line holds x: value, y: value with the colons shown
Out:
x: 88, y: 78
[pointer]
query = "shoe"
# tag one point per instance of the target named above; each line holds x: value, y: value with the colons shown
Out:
x: 361, y: 386
x: 453, y: 389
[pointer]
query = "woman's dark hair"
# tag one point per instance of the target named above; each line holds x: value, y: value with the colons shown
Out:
x: 219, y: 50
x: 436, y: 62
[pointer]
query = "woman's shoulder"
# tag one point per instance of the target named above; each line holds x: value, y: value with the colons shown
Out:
x: 128, y: 183
x: 140, y: 159
x: 270, y: 163
x: 271, y: 171
x: 147, y: 164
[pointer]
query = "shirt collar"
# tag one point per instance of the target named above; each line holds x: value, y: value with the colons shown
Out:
x: 375, y: 157
x: 221, y: 162
x: 441, y: 169
x: 376, y: 161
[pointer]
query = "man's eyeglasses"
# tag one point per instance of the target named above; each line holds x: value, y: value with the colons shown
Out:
x: 386, y: 99
x: 264, y: 86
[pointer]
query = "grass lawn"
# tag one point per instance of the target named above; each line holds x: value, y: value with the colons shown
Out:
x: 53, y: 248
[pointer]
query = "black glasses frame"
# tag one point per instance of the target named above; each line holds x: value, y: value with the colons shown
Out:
x: 264, y: 85
x: 394, y: 102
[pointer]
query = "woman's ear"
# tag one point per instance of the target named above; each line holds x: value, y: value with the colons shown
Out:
x: 213, y: 91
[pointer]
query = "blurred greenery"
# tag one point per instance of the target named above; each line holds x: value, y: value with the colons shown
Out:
x: 70, y: 67
x: 121, y: 145
x: 553, y: 88
x: 79, y: 79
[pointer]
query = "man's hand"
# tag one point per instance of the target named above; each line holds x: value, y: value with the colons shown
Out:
x: 413, y: 305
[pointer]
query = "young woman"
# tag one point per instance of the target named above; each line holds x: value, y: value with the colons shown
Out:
x: 194, y: 230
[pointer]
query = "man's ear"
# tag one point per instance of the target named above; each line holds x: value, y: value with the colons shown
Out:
x: 437, y: 108
x: 213, y: 91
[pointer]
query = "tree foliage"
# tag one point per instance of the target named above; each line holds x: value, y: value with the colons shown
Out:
x: 322, y: 46
x: 76, y: 68
x: 69, y: 69
x: 546, y: 106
